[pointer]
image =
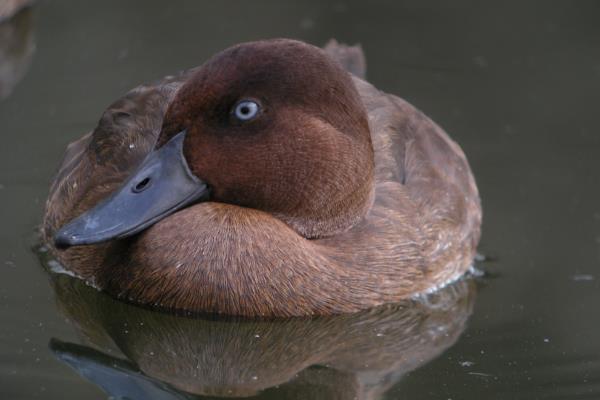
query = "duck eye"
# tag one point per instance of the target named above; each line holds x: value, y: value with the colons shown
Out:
x: 246, y: 110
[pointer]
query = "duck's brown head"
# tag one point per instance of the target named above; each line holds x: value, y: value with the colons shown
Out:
x: 273, y: 125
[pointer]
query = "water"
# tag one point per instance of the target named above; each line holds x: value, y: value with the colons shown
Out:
x: 517, y: 85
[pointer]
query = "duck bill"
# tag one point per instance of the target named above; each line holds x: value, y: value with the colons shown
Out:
x: 162, y: 185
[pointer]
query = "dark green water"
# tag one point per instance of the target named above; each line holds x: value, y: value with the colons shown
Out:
x: 517, y: 84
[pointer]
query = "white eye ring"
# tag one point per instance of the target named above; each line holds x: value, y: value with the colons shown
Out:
x: 246, y: 110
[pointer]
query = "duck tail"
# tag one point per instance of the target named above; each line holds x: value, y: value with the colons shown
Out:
x: 352, y: 58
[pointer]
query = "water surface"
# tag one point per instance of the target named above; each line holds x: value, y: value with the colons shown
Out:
x: 517, y: 85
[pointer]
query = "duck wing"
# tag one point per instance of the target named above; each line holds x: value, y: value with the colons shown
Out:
x: 97, y: 163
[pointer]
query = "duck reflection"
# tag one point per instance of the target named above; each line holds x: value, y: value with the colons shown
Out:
x: 17, y: 44
x: 135, y: 353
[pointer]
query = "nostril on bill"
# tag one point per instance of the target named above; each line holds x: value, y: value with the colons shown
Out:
x: 142, y: 185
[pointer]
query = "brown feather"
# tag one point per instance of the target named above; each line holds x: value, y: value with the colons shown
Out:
x: 343, y: 199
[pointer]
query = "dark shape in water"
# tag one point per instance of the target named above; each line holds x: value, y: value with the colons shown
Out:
x: 17, y: 46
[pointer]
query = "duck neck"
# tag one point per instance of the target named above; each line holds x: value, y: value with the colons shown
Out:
x: 324, y: 214
x: 332, y: 218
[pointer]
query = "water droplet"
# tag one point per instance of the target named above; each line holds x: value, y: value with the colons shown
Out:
x: 480, y: 61
x: 307, y: 23
x: 582, y: 277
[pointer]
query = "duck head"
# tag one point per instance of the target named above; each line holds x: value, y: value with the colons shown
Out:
x: 272, y: 125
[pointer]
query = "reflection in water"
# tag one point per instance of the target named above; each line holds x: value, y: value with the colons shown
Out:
x: 8, y: 8
x: 17, y: 46
x: 137, y: 353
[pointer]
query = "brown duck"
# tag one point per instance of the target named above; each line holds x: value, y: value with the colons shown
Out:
x: 267, y: 182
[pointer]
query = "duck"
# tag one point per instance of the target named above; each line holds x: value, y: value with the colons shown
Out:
x: 271, y: 181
